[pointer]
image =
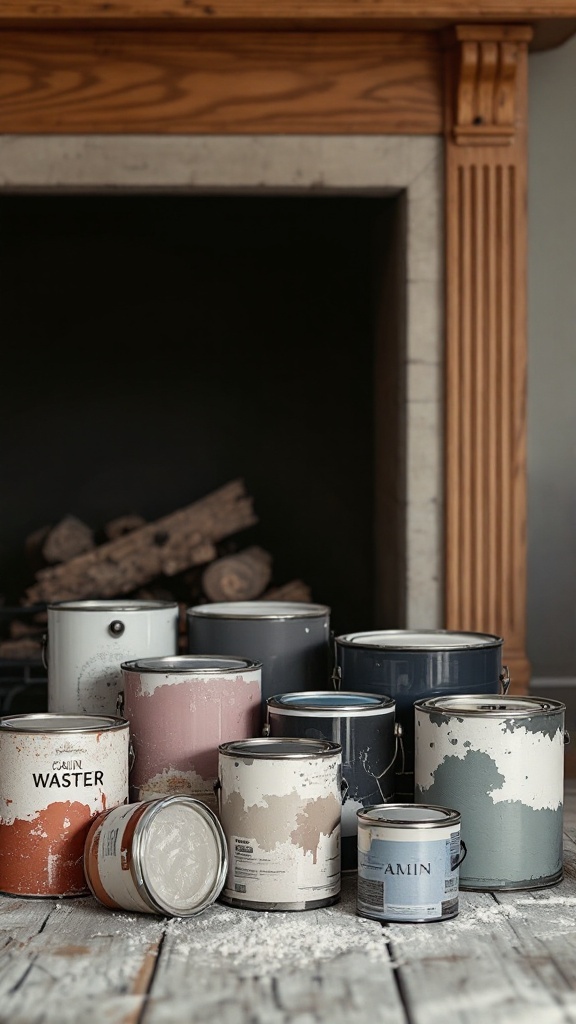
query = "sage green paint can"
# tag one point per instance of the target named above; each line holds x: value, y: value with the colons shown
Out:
x: 500, y: 762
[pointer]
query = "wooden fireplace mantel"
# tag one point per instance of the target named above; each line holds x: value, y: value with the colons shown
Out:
x: 446, y: 67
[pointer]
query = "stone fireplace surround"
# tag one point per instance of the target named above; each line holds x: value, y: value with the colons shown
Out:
x: 428, y: 100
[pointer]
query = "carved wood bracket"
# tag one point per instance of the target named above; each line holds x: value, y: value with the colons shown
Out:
x: 487, y: 81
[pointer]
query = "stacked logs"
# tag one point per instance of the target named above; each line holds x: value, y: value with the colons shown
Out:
x: 186, y: 556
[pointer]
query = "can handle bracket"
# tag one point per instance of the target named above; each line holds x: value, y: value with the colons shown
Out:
x: 504, y: 679
x: 398, y: 748
x: 463, y: 852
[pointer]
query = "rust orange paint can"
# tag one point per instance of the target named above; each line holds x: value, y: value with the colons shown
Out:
x: 57, y: 772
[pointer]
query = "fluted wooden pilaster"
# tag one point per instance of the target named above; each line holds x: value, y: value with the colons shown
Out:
x: 486, y: 337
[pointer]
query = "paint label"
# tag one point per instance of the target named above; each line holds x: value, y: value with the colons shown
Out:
x: 282, y: 823
x: 409, y: 879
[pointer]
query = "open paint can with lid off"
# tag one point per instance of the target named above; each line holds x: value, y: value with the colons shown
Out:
x: 364, y: 725
x: 164, y: 857
x: 408, y: 862
x: 501, y: 762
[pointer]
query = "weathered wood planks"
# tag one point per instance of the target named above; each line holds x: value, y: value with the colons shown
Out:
x: 507, y: 957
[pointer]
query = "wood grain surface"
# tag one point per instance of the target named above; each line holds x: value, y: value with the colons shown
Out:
x: 506, y: 957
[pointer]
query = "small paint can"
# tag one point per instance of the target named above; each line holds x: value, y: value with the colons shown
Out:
x: 291, y: 639
x: 280, y: 808
x: 86, y: 642
x: 500, y: 761
x: 180, y: 710
x: 408, y: 862
x: 364, y: 725
x: 57, y: 772
x: 410, y: 665
x: 165, y: 856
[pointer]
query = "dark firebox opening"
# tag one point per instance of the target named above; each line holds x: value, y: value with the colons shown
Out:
x: 157, y: 346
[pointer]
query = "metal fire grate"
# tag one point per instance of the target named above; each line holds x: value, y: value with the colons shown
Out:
x: 23, y: 681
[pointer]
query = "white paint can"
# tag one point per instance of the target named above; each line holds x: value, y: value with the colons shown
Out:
x: 180, y: 710
x: 500, y: 761
x: 57, y: 772
x: 87, y: 641
x: 165, y: 857
x: 408, y: 862
x: 280, y: 807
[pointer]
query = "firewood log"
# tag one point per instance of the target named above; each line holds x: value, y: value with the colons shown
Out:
x: 69, y: 538
x: 165, y: 547
x: 295, y: 590
x: 240, y: 577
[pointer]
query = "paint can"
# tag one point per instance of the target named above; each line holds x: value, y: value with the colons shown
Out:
x: 408, y: 862
x: 291, y: 639
x: 501, y: 763
x: 86, y: 642
x: 165, y: 856
x: 57, y: 772
x: 410, y: 665
x: 364, y: 726
x: 280, y: 808
x: 180, y: 709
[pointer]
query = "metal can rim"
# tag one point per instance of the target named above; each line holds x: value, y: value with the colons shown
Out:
x: 113, y: 722
x: 378, y: 704
x: 488, y: 705
x: 109, y: 606
x: 136, y: 866
x: 478, y: 641
x: 324, y: 748
x: 249, y: 610
x: 450, y: 816
x: 165, y: 664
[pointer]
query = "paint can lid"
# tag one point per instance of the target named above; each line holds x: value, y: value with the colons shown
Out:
x: 287, y: 748
x: 259, y: 610
x: 54, y: 722
x: 489, y: 706
x: 179, y: 856
x: 422, y: 816
x: 328, y: 704
x: 420, y: 640
x: 191, y: 664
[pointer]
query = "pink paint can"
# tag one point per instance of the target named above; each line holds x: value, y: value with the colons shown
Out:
x: 180, y: 710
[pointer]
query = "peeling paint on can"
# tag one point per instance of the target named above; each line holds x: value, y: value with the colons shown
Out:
x: 280, y: 807
x: 165, y: 856
x: 57, y: 772
x: 363, y: 724
x: 180, y: 710
x: 500, y: 761
x: 86, y: 642
x: 408, y: 862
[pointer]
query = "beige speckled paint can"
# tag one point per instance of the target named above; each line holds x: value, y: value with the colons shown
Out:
x: 87, y: 641
x: 165, y: 856
x: 57, y: 772
x: 280, y: 807
x: 180, y: 710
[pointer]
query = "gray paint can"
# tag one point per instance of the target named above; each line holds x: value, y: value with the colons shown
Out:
x: 500, y: 762
x: 364, y: 725
x: 411, y: 665
x: 408, y: 862
x: 291, y: 639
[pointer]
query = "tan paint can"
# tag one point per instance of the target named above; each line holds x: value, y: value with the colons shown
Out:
x: 281, y: 807
x: 166, y: 856
x: 57, y: 772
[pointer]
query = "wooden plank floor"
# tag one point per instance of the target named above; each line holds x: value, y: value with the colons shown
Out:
x: 507, y: 957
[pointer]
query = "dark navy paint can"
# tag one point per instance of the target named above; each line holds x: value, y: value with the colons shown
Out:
x: 364, y: 725
x: 410, y: 665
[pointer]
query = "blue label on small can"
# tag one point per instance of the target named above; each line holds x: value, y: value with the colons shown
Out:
x: 409, y: 880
